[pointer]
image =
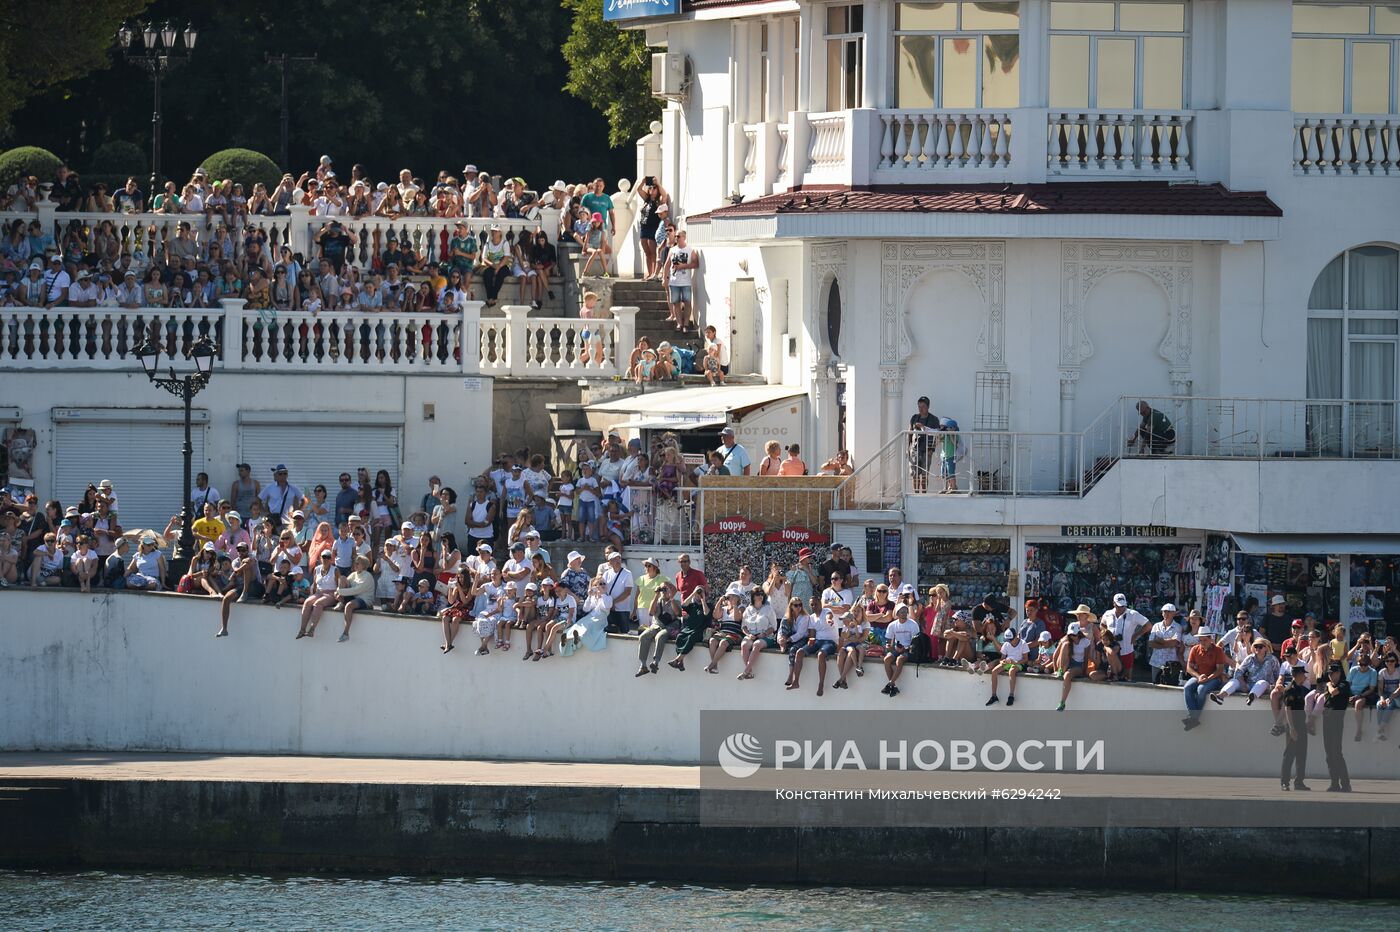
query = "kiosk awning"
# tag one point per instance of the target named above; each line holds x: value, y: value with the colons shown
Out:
x: 1318, y: 543
x: 715, y: 401
x: 672, y: 422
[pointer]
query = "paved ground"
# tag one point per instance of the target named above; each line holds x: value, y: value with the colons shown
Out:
x: 134, y: 766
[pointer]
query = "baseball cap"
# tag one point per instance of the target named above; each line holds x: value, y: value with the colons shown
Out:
x: 1297, y: 623
x: 1120, y: 600
x: 1074, y: 627
x: 485, y: 547
x: 298, y: 514
x: 651, y: 561
x: 518, y: 545
x: 727, y: 432
x: 280, y: 467
x: 406, y: 526
x: 1169, y: 607
x: 923, y: 399
x: 208, y: 546
x: 546, y: 582
x: 530, y: 585
x: 615, y: 555
x: 1044, y: 636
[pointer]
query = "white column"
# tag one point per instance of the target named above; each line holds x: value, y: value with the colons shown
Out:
x: 649, y: 155
x: 891, y: 399
x: 626, y: 334
x: 517, y: 337
x: 301, y: 230
x: 471, y: 337
x: 233, y: 332
x: 1069, y: 464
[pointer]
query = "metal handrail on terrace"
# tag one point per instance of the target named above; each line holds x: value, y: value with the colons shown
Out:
x: 1012, y: 463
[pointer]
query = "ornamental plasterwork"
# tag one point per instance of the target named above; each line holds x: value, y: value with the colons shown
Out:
x: 902, y: 265
x: 828, y: 264
x: 1084, y: 265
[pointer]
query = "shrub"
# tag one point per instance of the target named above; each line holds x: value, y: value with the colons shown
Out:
x: 116, y: 161
x: 243, y: 166
x: 28, y: 160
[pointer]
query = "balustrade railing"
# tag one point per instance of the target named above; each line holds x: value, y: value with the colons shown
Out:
x: 783, y: 172
x: 341, y: 341
x: 139, y: 236
x: 99, y: 337
x: 749, y: 170
x: 920, y: 140
x: 1343, y: 144
x: 1120, y: 141
x: 827, y: 150
x: 553, y: 347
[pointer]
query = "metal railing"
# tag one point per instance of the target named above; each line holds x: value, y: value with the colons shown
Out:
x: 1011, y: 463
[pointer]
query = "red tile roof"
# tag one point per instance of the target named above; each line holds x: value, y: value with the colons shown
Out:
x: 1079, y: 197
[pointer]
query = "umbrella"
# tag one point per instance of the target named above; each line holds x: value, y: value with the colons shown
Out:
x: 135, y: 538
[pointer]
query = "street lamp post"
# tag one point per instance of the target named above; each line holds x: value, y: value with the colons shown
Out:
x: 157, y: 53
x: 185, y: 387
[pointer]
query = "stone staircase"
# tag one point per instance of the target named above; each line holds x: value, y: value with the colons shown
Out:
x: 650, y: 297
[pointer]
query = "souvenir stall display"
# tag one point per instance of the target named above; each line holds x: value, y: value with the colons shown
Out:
x: 971, y: 567
x: 1066, y: 574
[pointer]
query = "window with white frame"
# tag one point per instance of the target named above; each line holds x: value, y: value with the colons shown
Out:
x: 845, y: 55
x: 1346, y: 57
x: 1118, y: 55
x: 1353, y: 339
x: 958, y: 55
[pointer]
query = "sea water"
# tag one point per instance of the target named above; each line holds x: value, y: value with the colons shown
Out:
x: 158, y: 900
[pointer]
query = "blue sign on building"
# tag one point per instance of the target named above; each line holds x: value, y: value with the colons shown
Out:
x: 639, y: 9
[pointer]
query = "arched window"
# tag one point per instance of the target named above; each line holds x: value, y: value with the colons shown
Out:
x: 833, y: 318
x: 1353, y: 333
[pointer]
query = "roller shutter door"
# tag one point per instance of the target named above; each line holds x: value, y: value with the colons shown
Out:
x: 319, y: 453
x: 141, y: 456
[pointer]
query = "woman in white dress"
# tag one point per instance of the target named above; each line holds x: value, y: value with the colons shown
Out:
x: 590, y: 630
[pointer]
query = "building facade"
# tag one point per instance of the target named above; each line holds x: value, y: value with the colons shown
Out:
x: 1038, y: 214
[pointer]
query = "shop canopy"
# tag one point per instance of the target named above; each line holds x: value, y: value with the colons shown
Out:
x: 1318, y: 544
x: 694, y: 408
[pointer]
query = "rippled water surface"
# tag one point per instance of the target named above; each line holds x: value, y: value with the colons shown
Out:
x: 105, y: 900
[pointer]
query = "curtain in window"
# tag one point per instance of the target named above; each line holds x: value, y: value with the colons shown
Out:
x: 1375, y: 279
x: 1327, y: 289
x: 1325, y: 381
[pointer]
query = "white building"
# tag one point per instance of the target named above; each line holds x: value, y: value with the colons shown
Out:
x: 1038, y: 212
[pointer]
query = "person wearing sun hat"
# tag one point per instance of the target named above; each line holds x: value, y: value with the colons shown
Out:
x: 1208, y: 666
x: 1073, y: 658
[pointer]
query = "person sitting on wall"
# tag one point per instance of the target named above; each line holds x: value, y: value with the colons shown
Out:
x: 1155, y: 435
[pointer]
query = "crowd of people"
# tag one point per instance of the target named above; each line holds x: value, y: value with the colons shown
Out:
x: 214, y: 252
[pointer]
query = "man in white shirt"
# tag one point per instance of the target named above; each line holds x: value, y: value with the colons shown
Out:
x: 330, y: 203
x: 85, y: 292
x: 1014, y: 651
x: 899, y: 636
x: 619, y: 585
x: 1125, y: 623
x: 1165, y: 643
x: 407, y: 189
x: 280, y: 498
x: 203, y: 493
x: 56, y: 283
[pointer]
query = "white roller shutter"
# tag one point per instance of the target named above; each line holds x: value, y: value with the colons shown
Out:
x: 318, y: 452
x: 138, y: 451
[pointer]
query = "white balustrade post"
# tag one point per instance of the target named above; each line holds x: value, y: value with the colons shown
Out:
x: 300, y: 230
x: 626, y: 318
x: 799, y: 148
x: 234, y: 309
x: 471, y: 337
x: 48, y: 211
x: 517, y: 338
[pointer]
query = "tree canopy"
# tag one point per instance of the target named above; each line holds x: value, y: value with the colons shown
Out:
x: 420, y: 84
x: 611, y: 69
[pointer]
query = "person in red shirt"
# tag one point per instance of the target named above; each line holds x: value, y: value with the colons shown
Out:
x: 1209, y: 667
x: 687, y: 579
x: 1298, y: 641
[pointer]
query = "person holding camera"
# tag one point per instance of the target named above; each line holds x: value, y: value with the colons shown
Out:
x: 1165, y: 643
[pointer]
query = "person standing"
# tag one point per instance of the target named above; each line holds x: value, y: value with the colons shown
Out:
x: 924, y: 424
x: 620, y: 588
x: 244, y: 489
x: 1336, y: 696
x: 1293, y: 682
x: 736, y: 458
x: 1125, y: 623
x: 679, y: 272
x: 1276, y: 623
x: 1165, y: 643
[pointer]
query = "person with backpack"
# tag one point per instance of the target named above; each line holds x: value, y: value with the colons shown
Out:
x: 1014, y: 651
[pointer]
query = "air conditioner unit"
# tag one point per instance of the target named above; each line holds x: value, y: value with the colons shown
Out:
x: 670, y: 75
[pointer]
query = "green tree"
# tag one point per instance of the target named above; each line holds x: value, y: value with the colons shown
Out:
x: 45, y: 44
x: 611, y: 69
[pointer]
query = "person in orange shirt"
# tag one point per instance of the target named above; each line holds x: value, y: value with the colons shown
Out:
x: 1209, y: 667
x: 793, y: 465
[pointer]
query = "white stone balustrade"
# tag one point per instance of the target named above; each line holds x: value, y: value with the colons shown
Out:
x: 1344, y: 144
x: 569, y: 347
x: 916, y: 141
x: 782, y: 176
x: 100, y: 337
x: 827, y: 157
x: 1141, y: 143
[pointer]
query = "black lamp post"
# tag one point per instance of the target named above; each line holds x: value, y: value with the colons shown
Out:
x: 186, y: 387
x: 157, y: 52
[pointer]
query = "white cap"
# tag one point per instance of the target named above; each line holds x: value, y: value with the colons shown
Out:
x: 530, y: 585
x: 1044, y: 636
x: 1169, y: 607
x: 298, y: 514
x: 486, y: 547
x: 1074, y: 628
x: 1120, y: 600
x: 547, y: 581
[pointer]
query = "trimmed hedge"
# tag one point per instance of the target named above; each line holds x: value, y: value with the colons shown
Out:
x: 29, y: 160
x: 243, y: 166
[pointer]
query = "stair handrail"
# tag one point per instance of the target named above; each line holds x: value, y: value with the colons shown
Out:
x: 885, y: 469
